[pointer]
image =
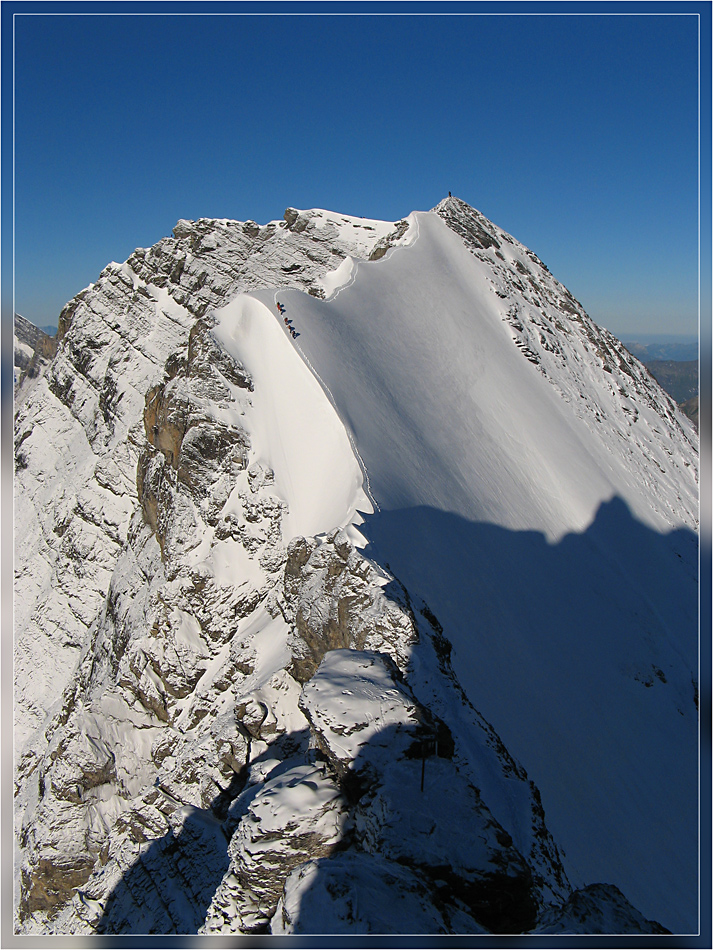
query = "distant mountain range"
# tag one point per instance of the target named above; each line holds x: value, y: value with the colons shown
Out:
x: 32, y: 348
x: 674, y: 365
x: 648, y: 349
x: 678, y: 377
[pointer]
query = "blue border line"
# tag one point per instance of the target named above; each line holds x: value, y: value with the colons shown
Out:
x: 705, y: 385
x: 8, y: 8
x: 357, y: 7
x: 6, y: 463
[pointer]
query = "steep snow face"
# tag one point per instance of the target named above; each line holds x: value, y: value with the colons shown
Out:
x: 539, y: 496
x: 293, y: 429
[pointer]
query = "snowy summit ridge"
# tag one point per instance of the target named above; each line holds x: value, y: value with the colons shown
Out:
x: 356, y: 579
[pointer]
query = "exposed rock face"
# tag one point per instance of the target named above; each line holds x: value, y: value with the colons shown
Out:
x: 296, y: 815
x: 373, y: 737
x: 219, y: 731
x: 389, y: 240
x: 80, y: 428
x: 335, y: 600
x: 164, y: 650
x: 184, y: 695
x: 135, y: 407
x: 380, y: 742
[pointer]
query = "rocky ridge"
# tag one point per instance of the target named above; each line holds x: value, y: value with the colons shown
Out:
x: 79, y: 427
x: 216, y: 692
x: 554, y: 332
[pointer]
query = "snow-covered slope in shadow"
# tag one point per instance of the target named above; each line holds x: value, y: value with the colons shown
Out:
x: 582, y: 655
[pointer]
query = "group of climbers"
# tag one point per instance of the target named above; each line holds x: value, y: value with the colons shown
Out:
x: 286, y: 320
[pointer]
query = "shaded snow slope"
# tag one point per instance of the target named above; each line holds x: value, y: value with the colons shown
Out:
x: 539, y: 532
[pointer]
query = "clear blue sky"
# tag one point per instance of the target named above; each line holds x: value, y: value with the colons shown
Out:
x: 577, y: 134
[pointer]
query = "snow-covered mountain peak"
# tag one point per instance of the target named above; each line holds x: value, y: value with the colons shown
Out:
x: 329, y: 525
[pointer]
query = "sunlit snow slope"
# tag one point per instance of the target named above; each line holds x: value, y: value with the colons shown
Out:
x: 545, y: 515
x: 292, y: 426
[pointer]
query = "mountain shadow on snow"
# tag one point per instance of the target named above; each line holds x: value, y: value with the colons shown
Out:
x: 592, y: 635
